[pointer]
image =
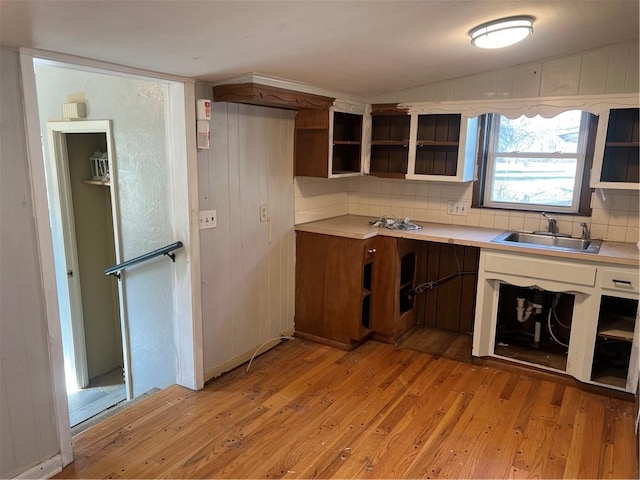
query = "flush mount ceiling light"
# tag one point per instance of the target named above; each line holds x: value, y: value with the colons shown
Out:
x: 502, y: 33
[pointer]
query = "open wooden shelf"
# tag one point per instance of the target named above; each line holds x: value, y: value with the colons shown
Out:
x: 618, y: 328
x: 97, y: 182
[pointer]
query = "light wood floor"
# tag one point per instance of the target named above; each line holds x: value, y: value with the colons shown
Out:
x: 103, y: 392
x: 306, y: 410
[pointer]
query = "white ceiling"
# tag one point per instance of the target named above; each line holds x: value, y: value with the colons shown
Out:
x: 360, y: 47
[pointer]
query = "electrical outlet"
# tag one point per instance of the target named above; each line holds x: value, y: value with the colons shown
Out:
x: 457, y: 208
x: 264, y: 213
x: 208, y: 219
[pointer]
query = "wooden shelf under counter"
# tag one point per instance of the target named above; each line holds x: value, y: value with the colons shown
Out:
x: 618, y: 328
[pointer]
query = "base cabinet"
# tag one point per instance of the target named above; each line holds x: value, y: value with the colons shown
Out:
x: 348, y: 289
x: 395, y: 308
x: 572, y: 317
x: 334, y: 288
x: 615, y: 348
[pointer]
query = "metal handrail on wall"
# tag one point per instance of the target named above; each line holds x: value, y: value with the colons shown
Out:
x: 167, y: 250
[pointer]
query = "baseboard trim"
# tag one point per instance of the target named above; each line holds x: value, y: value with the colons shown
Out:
x: 238, y: 360
x: 46, y: 469
x: 551, y: 376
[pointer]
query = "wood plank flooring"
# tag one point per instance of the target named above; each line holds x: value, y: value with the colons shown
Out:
x: 102, y: 393
x: 310, y: 411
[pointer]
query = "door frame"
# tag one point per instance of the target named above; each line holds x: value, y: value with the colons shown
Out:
x: 182, y: 157
x: 60, y: 183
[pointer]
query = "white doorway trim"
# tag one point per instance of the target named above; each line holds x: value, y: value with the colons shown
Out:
x: 182, y: 159
x: 45, y: 248
x: 179, y: 108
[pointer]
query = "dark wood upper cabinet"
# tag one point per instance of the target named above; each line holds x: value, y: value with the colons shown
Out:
x: 328, y: 143
x: 411, y: 144
x: 390, y: 132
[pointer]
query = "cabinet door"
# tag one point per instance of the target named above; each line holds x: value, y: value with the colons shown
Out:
x: 615, y: 163
x: 331, y: 281
x: 385, y: 285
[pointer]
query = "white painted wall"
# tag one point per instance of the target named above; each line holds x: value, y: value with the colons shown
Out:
x: 247, y: 265
x: 28, y: 430
x: 615, y: 216
x: 136, y: 108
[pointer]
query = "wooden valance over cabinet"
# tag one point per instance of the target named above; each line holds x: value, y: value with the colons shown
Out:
x: 266, y: 96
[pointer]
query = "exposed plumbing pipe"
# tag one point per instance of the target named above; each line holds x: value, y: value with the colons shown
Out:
x: 537, y: 332
x: 523, y: 313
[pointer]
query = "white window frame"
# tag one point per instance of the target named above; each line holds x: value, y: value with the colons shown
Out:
x: 492, y: 153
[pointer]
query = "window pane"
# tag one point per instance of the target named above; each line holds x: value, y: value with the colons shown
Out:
x: 534, y: 181
x: 539, y: 134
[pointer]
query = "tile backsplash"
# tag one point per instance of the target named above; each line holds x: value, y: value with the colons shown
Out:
x: 318, y: 198
x: 615, y: 212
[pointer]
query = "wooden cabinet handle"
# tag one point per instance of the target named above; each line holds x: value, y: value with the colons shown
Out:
x: 372, y: 251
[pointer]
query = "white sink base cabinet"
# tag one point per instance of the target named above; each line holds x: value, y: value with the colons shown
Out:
x: 586, y: 281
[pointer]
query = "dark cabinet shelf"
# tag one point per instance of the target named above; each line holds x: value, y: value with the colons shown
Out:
x: 391, y: 143
x: 429, y: 143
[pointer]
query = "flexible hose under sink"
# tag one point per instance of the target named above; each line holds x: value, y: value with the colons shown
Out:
x: 553, y: 309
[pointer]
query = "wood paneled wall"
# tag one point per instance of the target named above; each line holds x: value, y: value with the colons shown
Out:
x: 247, y: 265
x: 450, y: 306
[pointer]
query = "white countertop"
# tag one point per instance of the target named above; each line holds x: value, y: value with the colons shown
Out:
x: 358, y: 227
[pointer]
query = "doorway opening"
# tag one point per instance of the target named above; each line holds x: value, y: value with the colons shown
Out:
x: 89, y: 301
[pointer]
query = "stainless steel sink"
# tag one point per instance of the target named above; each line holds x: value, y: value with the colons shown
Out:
x: 550, y: 241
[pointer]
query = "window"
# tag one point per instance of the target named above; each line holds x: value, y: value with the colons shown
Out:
x: 537, y: 163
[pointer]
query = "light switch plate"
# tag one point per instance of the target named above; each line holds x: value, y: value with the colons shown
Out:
x: 264, y: 213
x: 457, y: 208
x: 208, y: 219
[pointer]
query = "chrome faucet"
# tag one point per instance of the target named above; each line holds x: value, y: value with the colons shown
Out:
x: 585, y: 231
x: 553, y: 226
